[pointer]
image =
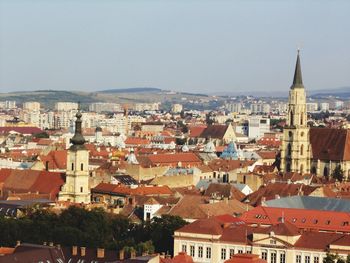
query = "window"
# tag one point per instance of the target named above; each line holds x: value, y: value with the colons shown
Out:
x: 273, y: 242
x: 232, y: 252
x: 273, y: 257
x: 307, y: 259
x: 82, y: 167
x: 72, y: 166
x: 316, y: 259
x: 223, y: 253
x: 289, y: 151
x: 282, y: 257
x: 264, y: 254
x: 200, y: 251
x: 298, y: 259
x: 81, y: 189
x: 208, y: 254
x: 184, y: 248
x: 248, y: 251
x: 240, y: 251
x: 192, y: 251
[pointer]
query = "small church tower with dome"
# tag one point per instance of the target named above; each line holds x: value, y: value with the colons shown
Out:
x: 76, y: 188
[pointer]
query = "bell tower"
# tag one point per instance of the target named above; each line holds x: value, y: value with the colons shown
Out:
x: 295, y: 153
x: 76, y: 189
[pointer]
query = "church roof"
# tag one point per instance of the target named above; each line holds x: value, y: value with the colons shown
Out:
x: 297, y: 80
x: 78, y: 138
x: 330, y: 144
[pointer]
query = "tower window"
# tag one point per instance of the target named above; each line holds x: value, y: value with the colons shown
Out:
x: 302, y: 119
x: 289, y: 150
x: 302, y: 149
x: 72, y: 166
x: 291, y: 118
x: 82, y: 167
x: 325, y: 172
x: 288, y: 167
x: 81, y: 189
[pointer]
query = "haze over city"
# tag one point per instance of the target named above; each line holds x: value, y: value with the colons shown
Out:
x: 196, y: 46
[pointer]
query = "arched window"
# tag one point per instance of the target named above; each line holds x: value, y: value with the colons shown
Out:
x: 301, y: 168
x: 302, y: 149
x: 325, y: 172
x: 291, y: 118
x: 82, y: 167
x: 72, y: 166
x: 244, y: 179
x: 302, y: 119
x: 288, y: 167
x: 290, y: 134
x: 289, y: 150
x: 313, y: 170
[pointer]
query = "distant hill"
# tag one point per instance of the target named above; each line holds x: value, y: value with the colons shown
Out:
x: 48, y: 98
x: 343, y: 92
x: 131, y: 90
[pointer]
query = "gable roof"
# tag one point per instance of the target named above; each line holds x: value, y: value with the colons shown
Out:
x: 301, y: 218
x: 330, y: 144
x: 214, y: 131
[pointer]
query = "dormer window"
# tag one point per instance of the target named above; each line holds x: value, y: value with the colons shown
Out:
x: 303, y: 220
x: 328, y: 222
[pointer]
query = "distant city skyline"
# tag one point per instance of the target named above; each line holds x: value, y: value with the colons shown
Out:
x: 190, y: 46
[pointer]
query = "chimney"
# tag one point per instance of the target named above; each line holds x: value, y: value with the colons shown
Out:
x: 83, y: 251
x: 121, y: 254
x: 44, y: 244
x: 58, y: 246
x: 133, y: 254
x: 162, y: 255
x: 51, y: 244
x: 18, y: 243
x: 74, y: 250
x: 100, y: 253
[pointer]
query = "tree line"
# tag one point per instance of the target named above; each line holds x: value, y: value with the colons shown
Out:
x: 95, y: 229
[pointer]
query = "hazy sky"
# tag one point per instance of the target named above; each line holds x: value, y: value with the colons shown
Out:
x: 184, y: 45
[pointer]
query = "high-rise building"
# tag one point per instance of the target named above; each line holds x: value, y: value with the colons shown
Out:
x: 66, y: 106
x: 31, y: 106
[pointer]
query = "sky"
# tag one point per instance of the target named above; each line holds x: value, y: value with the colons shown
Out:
x: 182, y: 45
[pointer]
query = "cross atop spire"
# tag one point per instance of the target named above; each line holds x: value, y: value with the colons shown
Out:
x: 298, y: 79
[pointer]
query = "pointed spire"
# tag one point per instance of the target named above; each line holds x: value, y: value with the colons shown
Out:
x: 298, y: 80
x: 78, y: 138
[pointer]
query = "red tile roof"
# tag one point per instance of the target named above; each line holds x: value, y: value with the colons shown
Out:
x: 301, y: 218
x: 21, y: 130
x: 196, y: 131
x: 245, y: 258
x: 174, y: 159
x: 140, y: 190
x: 57, y: 160
x: 136, y: 141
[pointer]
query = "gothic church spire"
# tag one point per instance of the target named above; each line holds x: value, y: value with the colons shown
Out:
x: 298, y: 80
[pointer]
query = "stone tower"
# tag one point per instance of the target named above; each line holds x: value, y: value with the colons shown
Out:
x: 295, y: 154
x: 76, y: 189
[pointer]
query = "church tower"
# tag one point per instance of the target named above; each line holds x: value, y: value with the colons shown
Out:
x: 295, y: 154
x: 76, y: 189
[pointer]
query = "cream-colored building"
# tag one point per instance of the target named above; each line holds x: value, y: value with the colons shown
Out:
x: 31, y: 106
x: 211, y: 241
x: 66, y: 106
x: 295, y: 154
x: 76, y: 188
